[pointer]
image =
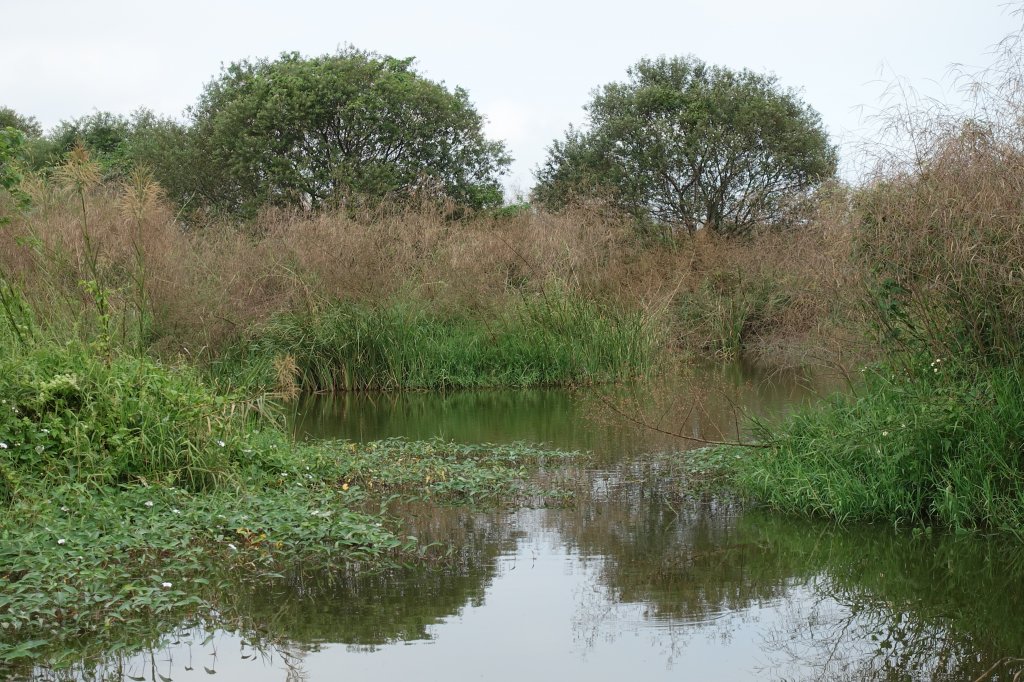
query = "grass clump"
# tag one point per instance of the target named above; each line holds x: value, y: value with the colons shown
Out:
x: 941, y: 446
x: 934, y: 435
x: 553, y: 340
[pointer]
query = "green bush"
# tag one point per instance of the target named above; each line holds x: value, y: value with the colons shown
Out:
x: 71, y: 414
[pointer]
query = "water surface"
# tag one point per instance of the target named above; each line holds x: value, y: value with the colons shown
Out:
x: 634, y: 582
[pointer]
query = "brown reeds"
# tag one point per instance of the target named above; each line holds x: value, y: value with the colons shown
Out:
x: 198, y: 288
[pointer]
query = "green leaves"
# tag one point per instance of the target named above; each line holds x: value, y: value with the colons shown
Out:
x: 339, y: 129
x: 687, y: 145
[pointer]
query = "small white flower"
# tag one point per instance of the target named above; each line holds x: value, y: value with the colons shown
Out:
x: 62, y: 541
x: 885, y: 433
x: 64, y: 509
x: 46, y: 431
x: 166, y: 586
x: 284, y: 474
x: 232, y: 547
x: 149, y: 503
x: 175, y: 511
x: 220, y: 443
x: 3, y: 446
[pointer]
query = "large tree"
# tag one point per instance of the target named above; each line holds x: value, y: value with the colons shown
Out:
x: 328, y: 129
x: 688, y: 145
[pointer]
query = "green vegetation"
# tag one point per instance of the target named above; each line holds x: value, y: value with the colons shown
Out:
x: 125, y: 483
x: 935, y: 433
x: 556, y: 339
x: 938, y: 445
x: 685, y: 145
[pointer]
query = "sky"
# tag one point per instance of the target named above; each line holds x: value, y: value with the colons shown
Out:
x: 529, y: 68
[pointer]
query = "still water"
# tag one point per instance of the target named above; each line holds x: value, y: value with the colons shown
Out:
x: 636, y: 582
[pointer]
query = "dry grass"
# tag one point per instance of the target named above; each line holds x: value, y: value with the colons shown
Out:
x: 942, y: 216
x: 207, y: 285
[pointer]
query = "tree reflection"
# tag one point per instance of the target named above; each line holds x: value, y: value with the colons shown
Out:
x: 847, y: 603
x: 280, y: 619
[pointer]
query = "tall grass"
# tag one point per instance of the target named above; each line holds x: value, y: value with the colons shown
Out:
x: 557, y: 339
x: 935, y: 435
x: 939, y: 447
x: 200, y: 291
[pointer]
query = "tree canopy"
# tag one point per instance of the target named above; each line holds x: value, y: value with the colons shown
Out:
x: 688, y: 145
x: 28, y: 125
x: 330, y: 129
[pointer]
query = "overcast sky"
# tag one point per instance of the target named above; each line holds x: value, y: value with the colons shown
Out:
x: 528, y: 67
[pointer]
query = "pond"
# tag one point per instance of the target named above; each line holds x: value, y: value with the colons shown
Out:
x: 633, y: 582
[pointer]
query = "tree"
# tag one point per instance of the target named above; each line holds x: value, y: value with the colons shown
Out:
x: 329, y: 129
x: 684, y: 144
x: 28, y: 125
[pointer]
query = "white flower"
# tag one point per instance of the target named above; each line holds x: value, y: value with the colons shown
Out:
x: 220, y: 443
x: 232, y: 547
x: 885, y: 433
x: 149, y: 503
x: 62, y: 541
x: 175, y: 511
x: 64, y: 509
x: 3, y: 446
x: 166, y: 586
x: 46, y: 431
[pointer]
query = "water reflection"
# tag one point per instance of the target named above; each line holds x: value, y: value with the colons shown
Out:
x: 710, y: 402
x: 636, y: 581
x: 627, y: 586
x: 854, y: 603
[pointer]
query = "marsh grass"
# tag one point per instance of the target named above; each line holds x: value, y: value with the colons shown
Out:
x: 199, y: 290
x: 548, y: 340
x: 938, y: 447
x: 71, y: 414
x: 934, y: 434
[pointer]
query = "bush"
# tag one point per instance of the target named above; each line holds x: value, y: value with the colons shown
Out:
x: 70, y: 414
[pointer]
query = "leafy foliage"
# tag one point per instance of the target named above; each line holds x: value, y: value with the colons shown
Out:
x: 684, y: 144
x: 28, y: 125
x: 334, y: 129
